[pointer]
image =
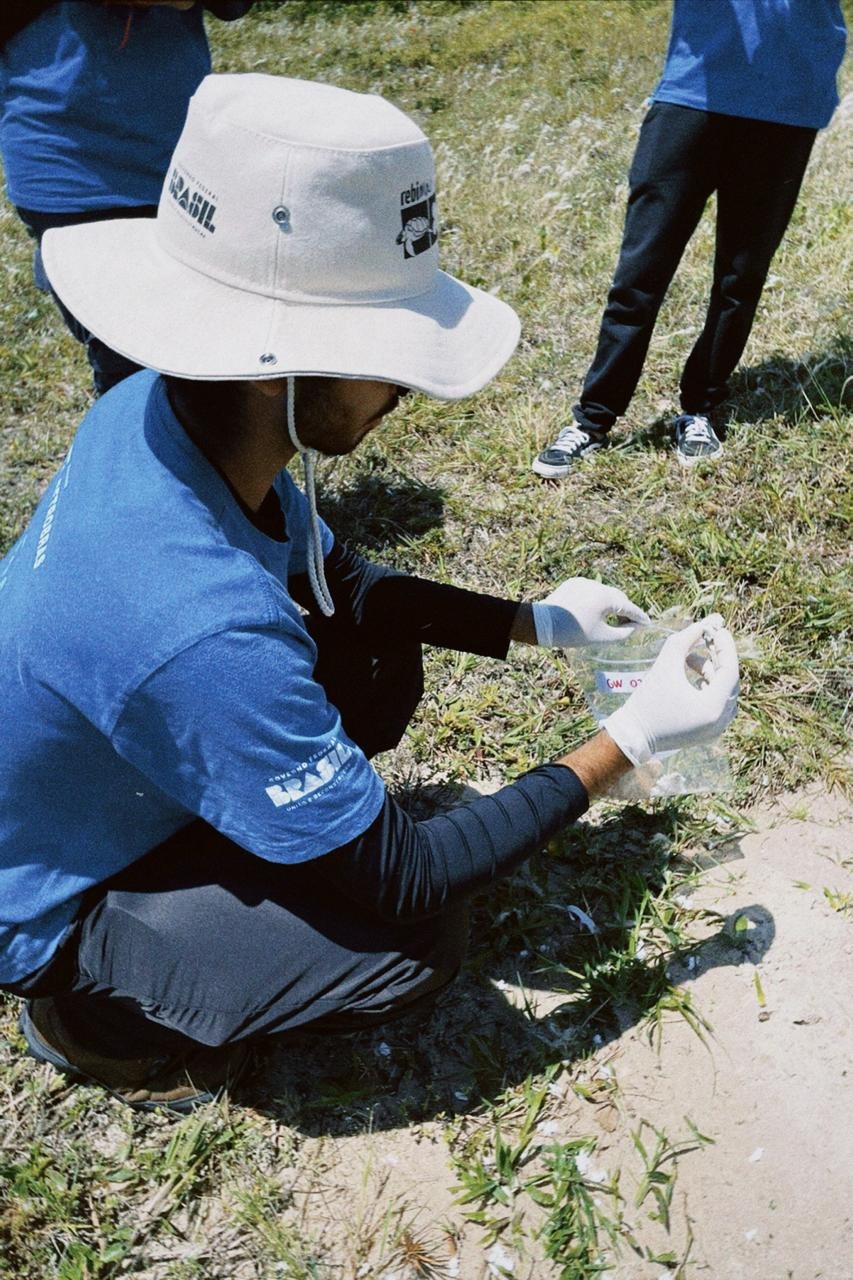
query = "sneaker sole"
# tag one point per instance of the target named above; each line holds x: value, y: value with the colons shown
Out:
x: 554, y: 471
x: 685, y: 461
x: 40, y: 1052
x: 549, y: 472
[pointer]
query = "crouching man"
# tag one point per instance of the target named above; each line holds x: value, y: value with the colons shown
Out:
x: 195, y: 849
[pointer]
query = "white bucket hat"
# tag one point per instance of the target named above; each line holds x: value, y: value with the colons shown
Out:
x: 297, y: 233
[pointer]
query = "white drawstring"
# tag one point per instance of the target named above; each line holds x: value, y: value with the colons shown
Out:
x: 316, y: 576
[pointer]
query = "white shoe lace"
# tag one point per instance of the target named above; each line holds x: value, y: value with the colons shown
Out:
x: 698, y: 431
x: 570, y: 437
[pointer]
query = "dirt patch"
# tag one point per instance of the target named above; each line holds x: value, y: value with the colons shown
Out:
x: 748, y: 1122
x: 773, y: 1086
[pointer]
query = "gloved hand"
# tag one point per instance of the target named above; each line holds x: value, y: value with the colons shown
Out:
x: 576, y: 614
x: 667, y: 711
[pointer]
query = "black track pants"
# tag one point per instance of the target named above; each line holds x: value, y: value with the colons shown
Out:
x: 682, y: 157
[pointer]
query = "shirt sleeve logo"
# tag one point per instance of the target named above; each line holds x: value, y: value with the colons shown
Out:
x: 310, y: 777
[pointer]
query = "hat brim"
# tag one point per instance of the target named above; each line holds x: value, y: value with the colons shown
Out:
x: 119, y: 283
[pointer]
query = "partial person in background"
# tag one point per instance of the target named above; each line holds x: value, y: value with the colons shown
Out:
x: 745, y: 87
x: 93, y: 96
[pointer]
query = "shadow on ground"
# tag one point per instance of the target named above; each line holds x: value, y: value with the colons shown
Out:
x: 777, y: 389
x: 577, y: 990
x: 817, y: 386
x: 383, y: 508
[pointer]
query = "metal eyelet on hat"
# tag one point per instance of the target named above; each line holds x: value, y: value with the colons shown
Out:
x: 268, y: 358
x: 281, y: 216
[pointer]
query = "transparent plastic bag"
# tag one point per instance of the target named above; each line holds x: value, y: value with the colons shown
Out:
x: 609, y: 673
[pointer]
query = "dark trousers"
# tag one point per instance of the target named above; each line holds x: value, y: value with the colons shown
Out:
x: 201, y: 941
x: 682, y: 157
x: 108, y: 367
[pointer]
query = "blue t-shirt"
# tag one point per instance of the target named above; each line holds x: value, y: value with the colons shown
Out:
x: 154, y: 668
x: 93, y: 100
x: 770, y: 60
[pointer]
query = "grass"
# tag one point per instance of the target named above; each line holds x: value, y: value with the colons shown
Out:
x: 533, y: 110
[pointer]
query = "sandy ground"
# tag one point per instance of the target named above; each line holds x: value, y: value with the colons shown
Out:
x: 772, y: 1199
x: 770, y: 1196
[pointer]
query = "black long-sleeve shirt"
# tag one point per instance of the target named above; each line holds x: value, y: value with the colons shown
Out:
x: 405, y: 869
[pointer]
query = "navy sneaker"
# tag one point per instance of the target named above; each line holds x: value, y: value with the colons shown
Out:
x: 572, y: 444
x: 696, y: 440
x: 177, y: 1084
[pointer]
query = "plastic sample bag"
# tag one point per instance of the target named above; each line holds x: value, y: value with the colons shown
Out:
x: 609, y: 673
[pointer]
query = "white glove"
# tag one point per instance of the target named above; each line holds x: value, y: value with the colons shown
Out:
x: 576, y: 614
x: 667, y: 711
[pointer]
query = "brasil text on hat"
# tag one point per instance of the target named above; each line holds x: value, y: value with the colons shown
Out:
x: 297, y: 233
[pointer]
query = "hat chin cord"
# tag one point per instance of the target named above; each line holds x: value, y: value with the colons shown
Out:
x: 316, y: 574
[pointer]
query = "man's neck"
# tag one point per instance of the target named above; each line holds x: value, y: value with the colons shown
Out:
x: 244, y: 438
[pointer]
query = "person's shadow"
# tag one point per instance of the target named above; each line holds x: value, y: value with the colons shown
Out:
x: 382, y: 509
x: 572, y: 990
x: 816, y: 387
x: 778, y: 389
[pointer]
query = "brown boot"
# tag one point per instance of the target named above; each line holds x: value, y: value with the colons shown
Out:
x: 179, y: 1083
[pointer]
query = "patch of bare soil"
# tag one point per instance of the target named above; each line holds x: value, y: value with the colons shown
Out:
x: 766, y: 1193
x: 772, y: 1198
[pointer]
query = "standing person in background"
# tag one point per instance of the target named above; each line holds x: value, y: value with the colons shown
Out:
x: 745, y: 87
x: 93, y: 95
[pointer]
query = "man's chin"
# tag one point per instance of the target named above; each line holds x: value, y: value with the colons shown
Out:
x: 342, y: 451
